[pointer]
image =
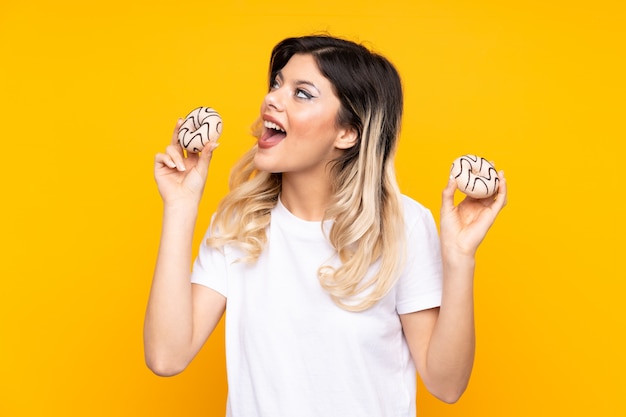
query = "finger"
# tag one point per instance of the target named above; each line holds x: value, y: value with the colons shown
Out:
x: 205, y: 157
x: 176, y: 154
x: 162, y: 159
x: 447, y: 196
x: 502, y: 195
x: 175, y: 141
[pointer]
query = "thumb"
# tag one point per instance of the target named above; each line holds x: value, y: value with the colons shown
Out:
x: 447, y: 196
x: 205, y: 157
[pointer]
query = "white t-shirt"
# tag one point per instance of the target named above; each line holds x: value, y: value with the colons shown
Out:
x: 291, y: 351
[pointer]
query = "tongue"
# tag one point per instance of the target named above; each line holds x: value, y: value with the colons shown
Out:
x: 272, y: 137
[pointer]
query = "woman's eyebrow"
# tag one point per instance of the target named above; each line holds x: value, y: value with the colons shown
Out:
x: 308, y: 83
x: 279, y: 77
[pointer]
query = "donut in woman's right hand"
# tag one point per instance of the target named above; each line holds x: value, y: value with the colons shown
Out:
x: 475, y: 176
x: 201, y: 126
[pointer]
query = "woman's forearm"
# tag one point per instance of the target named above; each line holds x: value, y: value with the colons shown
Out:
x: 168, y: 327
x: 451, y: 350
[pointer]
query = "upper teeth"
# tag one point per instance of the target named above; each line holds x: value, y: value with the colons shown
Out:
x: 272, y: 125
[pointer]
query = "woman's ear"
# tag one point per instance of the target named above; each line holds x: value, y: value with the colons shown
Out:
x: 347, y: 138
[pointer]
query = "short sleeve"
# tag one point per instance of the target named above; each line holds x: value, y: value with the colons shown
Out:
x: 420, y: 284
x: 209, y: 268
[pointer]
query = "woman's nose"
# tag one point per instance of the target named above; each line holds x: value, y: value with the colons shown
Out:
x: 273, y: 99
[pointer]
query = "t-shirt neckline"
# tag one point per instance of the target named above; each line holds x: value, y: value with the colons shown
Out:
x: 296, y: 224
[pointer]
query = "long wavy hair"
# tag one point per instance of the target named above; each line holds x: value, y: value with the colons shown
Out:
x: 368, y: 224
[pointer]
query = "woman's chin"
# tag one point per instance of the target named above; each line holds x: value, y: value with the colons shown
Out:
x: 265, y: 163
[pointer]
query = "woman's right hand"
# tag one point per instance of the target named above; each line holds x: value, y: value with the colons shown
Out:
x: 181, y: 179
x: 179, y: 316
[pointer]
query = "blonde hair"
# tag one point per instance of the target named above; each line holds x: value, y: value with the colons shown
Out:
x: 368, y: 223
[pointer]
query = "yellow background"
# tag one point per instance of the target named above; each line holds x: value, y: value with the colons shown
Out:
x: 90, y: 91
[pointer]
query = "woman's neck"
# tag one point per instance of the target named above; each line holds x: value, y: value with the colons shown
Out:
x: 305, y: 198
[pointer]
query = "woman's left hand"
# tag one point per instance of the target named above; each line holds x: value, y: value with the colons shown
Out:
x: 463, y: 227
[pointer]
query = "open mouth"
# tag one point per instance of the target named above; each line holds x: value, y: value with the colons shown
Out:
x: 273, y: 126
x: 272, y: 134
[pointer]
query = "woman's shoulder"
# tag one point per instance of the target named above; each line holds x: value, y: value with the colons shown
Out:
x: 412, y: 208
x: 418, y: 219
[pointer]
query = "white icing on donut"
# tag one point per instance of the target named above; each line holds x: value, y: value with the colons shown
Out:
x: 475, y: 176
x: 201, y: 126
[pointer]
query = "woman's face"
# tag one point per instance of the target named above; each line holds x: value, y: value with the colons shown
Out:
x: 300, y: 134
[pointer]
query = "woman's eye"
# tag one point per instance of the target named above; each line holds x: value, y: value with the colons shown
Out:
x: 303, y: 94
x: 274, y: 84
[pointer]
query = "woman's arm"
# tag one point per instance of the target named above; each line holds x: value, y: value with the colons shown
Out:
x: 442, y: 340
x: 180, y: 316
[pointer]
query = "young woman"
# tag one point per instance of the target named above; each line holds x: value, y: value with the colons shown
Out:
x: 336, y: 287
